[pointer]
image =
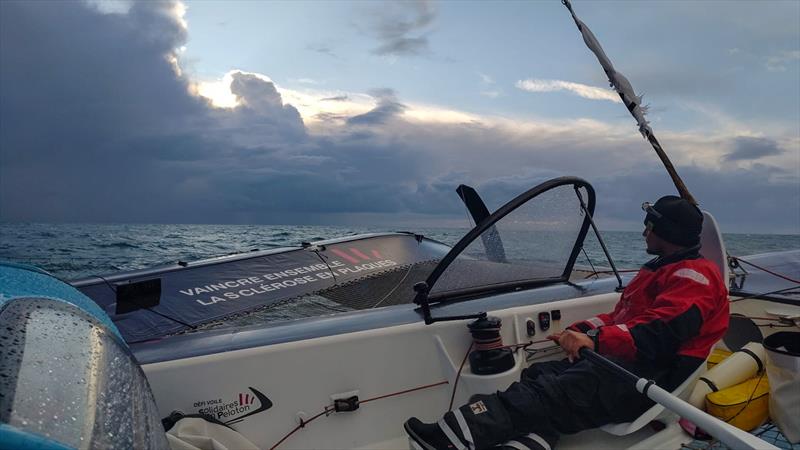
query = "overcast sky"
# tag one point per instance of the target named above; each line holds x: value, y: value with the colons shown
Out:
x: 373, y: 112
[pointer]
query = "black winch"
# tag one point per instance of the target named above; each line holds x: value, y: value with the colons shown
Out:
x: 489, y: 355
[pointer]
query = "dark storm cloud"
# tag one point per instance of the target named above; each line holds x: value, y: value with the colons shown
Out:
x: 97, y: 125
x: 261, y: 111
x: 750, y: 148
x: 396, y: 27
x: 387, y: 107
x: 101, y: 113
x: 71, y: 76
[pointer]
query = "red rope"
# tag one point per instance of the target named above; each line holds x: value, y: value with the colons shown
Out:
x: 303, y: 423
x: 766, y: 270
x: 404, y: 392
x: 488, y: 344
x: 458, y: 375
x: 469, y: 350
x: 329, y: 409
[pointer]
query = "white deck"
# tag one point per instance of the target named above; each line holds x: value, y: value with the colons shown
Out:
x: 301, y: 377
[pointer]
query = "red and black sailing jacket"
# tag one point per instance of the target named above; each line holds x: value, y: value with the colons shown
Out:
x: 677, y: 305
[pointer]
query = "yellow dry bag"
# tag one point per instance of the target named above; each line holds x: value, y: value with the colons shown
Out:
x: 744, y: 405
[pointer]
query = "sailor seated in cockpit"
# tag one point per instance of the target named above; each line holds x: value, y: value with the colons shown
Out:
x: 664, y: 326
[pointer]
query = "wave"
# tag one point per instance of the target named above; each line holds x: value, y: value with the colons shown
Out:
x: 117, y: 245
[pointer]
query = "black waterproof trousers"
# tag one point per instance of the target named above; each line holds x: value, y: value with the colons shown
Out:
x: 559, y: 397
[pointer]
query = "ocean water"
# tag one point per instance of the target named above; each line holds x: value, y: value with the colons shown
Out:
x: 72, y: 251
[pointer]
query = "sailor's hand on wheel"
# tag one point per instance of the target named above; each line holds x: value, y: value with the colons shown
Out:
x: 572, y: 342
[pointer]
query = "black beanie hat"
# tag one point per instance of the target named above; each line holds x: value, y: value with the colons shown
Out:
x: 680, y: 222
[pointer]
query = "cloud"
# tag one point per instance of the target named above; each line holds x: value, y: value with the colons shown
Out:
x: 306, y: 81
x: 486, y: 79
x: 323, y: 49
x: 741, y: 200
x: 582, y: 90
x: 752, y: 148
x: 261, y: 115
x: 110, y: 6
x: 778, y: 62
x: 100, y: 127
x: 387, y: 107
x: 398, y: 25
x: 337, y: 98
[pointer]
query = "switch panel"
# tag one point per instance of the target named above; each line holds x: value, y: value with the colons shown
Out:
x: 544, y: 321
x: 530, y: 327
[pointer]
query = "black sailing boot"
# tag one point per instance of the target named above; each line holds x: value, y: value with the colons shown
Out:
x: 443, y: 435
x: 480, y: 424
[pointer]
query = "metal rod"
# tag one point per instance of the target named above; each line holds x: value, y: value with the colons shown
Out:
x: 729, y: 435
x: 630, y: 100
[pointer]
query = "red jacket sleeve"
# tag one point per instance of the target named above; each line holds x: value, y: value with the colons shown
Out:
x: 676, y: 315
x: 599, y: 320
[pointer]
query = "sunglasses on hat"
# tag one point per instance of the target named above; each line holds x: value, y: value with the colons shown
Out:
x: 648, y: 208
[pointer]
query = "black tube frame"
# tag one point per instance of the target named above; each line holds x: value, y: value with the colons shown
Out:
x: 424, y: 299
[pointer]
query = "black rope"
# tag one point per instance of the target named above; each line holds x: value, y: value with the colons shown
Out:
x: 749, y: 400
x: 597, y: 233
x: 771, y: 272
x: 594, y: 271
x: 324, y: 261
x: 778, y: 291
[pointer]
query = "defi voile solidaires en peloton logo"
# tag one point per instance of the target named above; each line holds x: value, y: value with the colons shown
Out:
x: 236, y: 409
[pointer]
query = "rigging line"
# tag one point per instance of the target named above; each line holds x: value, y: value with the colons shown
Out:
x: 778, y: 291
x: 410, y: 266
x: 330, y: 409
x: 147, y: 308
x: 393, y: 394
x: 773, y: 319
x: 594, y: 271
x: 324, y: 261
x: 523, y: 346
x: 749, y: 400
x: 766, y: 270
x: 611, y: 271
x: 303, y: 423
x: 597, y: 234
x: 458, y: 375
